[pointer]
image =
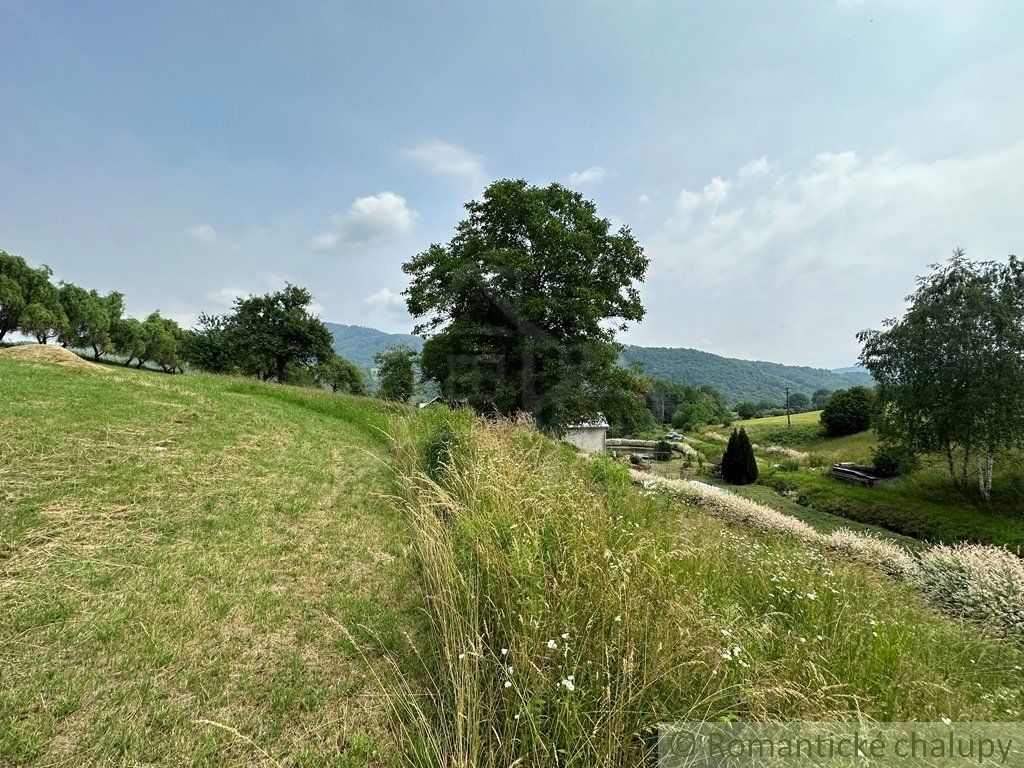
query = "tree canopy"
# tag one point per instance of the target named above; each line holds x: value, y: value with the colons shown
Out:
x: 395, y: 376
x: 848, y: 411
x: 263, y: 336
x: 739, y: 465
x: 950, y: 372
x: 341, y: 374
x: 28, y: 300
x: 522, y: 305
x: 91, y: 318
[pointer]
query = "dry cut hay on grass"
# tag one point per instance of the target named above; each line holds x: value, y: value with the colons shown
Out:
x: 48, y: 353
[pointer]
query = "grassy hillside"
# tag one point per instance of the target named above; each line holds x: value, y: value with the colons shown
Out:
x: 738, y: 380
x: 177, y: 554
x: 570, y: 613
x: 211, y: 571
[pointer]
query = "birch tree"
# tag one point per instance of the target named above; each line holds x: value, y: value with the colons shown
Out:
x: 950, y: 372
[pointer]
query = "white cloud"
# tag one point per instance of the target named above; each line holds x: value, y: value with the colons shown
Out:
x: 446, y: 159
x: 793, y: 272
x: 225, y: 297
x: 385, y: 298
x: 368, y: 221
x: 591, y: 175
x: 690, y: 205
x: 202, y: 233
x: 643, y: 199
x: 754, y: 169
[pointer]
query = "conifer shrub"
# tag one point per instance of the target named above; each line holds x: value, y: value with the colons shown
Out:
x: 739, y: 467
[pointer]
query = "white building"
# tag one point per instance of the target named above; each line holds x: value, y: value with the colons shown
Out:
x: 588, y: 436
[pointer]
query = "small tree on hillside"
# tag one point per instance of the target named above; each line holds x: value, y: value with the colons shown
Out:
x: 91, y: 317
x: 341, y: 374
x: 44, y: 320
x: 739, y: 466
x: 27, y: 289
x: 746, y: 409
x: 267, y: 334
x: 848, y: 411
x: 128, y: 338
x: 395, y: 373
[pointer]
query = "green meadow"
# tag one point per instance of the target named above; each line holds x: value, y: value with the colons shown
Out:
x: 201, y: 570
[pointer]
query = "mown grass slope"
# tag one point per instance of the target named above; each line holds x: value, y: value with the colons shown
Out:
x: 177, y: 554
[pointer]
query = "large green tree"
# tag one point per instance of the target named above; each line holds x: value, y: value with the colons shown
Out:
x: 950, y: 372
x: 128, y: 339
x: 164, y: 343
x: 90, y: 318
x: 739, y: 465
x: 267, y: 334
x: 521, y: 306
x: 25, y: 289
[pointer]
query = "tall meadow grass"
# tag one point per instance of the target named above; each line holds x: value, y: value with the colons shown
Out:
x: 566, y: 613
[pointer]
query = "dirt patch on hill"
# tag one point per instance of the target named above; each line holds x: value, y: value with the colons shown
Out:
x: 47, y: 353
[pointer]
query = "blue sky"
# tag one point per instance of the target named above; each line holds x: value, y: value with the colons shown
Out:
x: 789, y: 166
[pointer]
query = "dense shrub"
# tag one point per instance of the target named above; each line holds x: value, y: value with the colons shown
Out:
x: 739, y: 466
x: 746, y: 410
x: 891, y: 460
x: 848, y: 411
x: 662, y: 451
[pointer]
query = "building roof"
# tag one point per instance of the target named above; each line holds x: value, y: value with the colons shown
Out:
x: 599, y: 422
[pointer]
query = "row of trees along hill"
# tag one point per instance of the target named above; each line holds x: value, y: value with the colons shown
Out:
x: 521, y: 307
x: 666, y: 402
x: 950, y: 372
x: 83, y: 319
x: 272, y: 336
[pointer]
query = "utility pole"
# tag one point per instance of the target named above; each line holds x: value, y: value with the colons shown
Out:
x: 789, y: 421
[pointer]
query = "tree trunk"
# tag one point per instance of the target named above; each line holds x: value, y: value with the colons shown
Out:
x: 127, y: 362
x: 140, y: 363
x: 951, y: 462
x: 96, y: 351
x: 985, y: 464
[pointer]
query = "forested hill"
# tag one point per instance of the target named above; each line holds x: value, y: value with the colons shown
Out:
x: 736, y: 379
x: 360, y: 344
x: 739, y: 379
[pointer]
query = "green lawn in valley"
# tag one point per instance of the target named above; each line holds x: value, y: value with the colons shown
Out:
x: 925, y: 505
x: 178, y: 555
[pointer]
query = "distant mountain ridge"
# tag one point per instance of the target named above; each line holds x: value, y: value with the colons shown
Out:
x: 740, y: 380
x: 359, y: 343
x: 736, y: 379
